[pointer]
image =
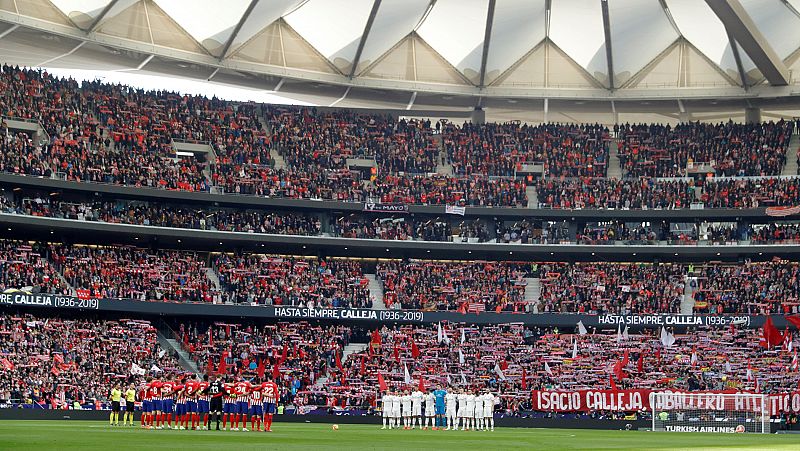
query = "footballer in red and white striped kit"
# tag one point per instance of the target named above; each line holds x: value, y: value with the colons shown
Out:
x: 271, y: 394
x: 241, y: 390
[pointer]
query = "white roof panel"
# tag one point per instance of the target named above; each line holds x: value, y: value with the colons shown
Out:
x: 780, y: 26
x: 333, y: 27
x: 81, y: 12
x: 262, y: 16
x: 518, y: 26
x: 212, y: 29
x: 640, y: 31
x: 700, y: 26
x: 394, y: 20
x: 587, y: 47
x: 455, y: 29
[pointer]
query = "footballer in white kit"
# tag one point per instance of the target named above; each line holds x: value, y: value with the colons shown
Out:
x: 488, y: 410
x: 406, y: 401
x: 469, y: 411
x: 450, y: 400
x: 416, y: 408
x: 386, y: 407
x: 396, y: 410
x: 430, y: 410
x: 462, y: 408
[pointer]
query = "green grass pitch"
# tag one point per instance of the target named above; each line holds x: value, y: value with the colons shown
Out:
x: 89, y: 435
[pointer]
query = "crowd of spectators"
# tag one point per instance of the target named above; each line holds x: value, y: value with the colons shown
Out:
x: 161, y: 215
x: 774, y: 233
x: 275, y: 280
x: 615, y: 193
x: 297, y: 354
x: 25, y: 264
x: 658, y: 150
x: 60, y: 363
x: 497, y: 357
x: 754, y: 288
x: 467, y: 287
x: 494, y: 149
x: 619, y: 288
x: 134, y: 273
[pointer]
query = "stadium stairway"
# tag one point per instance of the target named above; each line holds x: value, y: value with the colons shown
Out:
x: 533, y: 291
x: 214, y: 278
x: 442, y: 168
x: 173, y: 346
x: 376, y: 291
x: 533, y: 196
x: 280, y: 163
x: 353, y: 348
x: 687, y: 303
x: 614, y: 168
x: 791, y: 156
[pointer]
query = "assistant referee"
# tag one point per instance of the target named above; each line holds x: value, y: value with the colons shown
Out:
x: 116, y: 396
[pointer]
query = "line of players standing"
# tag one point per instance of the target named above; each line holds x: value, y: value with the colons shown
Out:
x: 191, y: 400
x: 443, y: 410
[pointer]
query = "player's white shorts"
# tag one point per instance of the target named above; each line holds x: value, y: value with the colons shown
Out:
x: 416, y: 410
x: 487, y: 412
x: 429, y: 412
x: 385, y: 412
x: 461, y: 413
x: 406, y: 410
x: 395, y: 412
x: 450, y: 410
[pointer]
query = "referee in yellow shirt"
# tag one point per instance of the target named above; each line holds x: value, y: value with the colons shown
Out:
x: 130, y: 400
x: 116, y: 395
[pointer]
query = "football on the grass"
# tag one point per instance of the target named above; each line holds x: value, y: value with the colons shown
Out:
x: 335, y: 427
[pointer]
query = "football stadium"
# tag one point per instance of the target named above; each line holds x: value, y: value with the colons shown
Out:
x: 383, y: 224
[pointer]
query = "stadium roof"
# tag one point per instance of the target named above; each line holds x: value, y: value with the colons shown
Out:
x: 436, y: 54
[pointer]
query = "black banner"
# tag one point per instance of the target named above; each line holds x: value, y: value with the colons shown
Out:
x: 567, y: 321
x: 386, y: 208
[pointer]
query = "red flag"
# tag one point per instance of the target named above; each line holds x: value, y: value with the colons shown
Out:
x: 414, y: 349
x: 640, y: 363
x: 612, y: 383
x: 795, y: 320
x: 210, y: 367
x: 625, y: 358
x: 223, y: 366
x: 503, y: 365
x: 376, y: 338
x: 363, y: 366
x: 284, y: 353
x: 771, y: 335
x: 276, y: 372
x: 261, y: 368
x: 294, y: 351
x: 210, y: 337
x: 421, y: 384
x: 396, y: 353
x: 339, y: 362
x: 382, y: 382
x: 524, y: 379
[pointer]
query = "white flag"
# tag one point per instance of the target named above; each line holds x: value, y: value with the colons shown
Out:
x: 499, y: 372
x: 619, y: 332
x: 547, y: 369
x: 460, y: 356
x: 727, y: 366
x: 439, y: 336
x: 625, y: 333
x: 449, y: 382
x: 155, y: 368
x: 694, y: 358
x: 463, y: 379
x: 575, y: 349
x: 136, y: 369
x: 445, y: 337
x: 667, y: 339
x: 161, y: 353
x: 463, y: 336
x: 408, y: 376
x: 581, y: 328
